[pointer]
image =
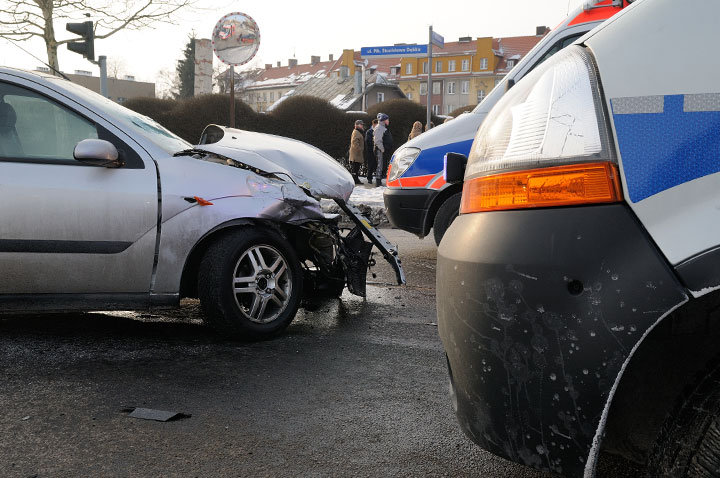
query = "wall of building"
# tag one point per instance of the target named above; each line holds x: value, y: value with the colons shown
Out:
x: 118, y: 90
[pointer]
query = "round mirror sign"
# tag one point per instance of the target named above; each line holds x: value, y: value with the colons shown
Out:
x: 236, y: 39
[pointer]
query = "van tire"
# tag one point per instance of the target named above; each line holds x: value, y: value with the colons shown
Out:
x: 689, y: 441
x: 445, y: 216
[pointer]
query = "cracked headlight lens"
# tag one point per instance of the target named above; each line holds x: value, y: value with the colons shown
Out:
x: 402, y: 160
x: 553, y: 116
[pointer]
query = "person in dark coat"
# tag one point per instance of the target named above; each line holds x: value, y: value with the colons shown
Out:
x: 388, y: 150
x: 370, y: 161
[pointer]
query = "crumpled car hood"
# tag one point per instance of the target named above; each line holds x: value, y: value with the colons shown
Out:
x: 308, y: 166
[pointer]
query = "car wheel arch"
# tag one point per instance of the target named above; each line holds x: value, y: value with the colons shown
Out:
x: 188, y: 280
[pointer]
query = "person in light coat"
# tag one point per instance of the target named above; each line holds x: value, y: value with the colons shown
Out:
x: 357, y: 146
x: 417, y: 130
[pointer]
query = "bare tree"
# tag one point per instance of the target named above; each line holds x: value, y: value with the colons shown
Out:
x: 24, y: 19
x: 115, y: 67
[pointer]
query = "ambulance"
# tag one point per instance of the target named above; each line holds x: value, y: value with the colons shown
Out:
x: 578, y: 291
x: 417, y: 198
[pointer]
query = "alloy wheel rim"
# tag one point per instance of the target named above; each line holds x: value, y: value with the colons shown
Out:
x: 262, y: 284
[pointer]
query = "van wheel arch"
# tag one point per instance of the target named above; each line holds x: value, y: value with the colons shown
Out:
x: 666, y: 363
x: 437, y: 203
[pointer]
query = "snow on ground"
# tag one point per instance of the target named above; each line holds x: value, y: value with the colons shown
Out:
x: 369, y: 195
x: 369, y: 199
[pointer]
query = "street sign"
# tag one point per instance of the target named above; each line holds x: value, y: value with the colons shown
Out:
x: 396, y: 50
x: 438, y: 40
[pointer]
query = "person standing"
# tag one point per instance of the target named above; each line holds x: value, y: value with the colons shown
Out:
x: 379, y: 142
x: 357, y: 146
x: 370, y: 159
x: 416, y: 130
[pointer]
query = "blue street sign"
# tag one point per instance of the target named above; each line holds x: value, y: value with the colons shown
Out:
x: 399, y: 50
x: 438, y: 40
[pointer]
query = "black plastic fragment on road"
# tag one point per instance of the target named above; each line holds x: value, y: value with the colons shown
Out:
x: 157, y: 415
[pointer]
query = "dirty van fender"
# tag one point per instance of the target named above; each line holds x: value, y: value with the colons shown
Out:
x: 539, y: 320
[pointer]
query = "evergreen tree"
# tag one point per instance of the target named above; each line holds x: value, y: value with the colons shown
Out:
x: 186, y: 70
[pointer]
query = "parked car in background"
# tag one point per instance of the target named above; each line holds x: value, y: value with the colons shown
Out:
x: 578, y: 291
x: 104, y: 209
x: 418, y: 198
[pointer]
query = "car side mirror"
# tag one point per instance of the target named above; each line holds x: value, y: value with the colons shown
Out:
x: 454, y: 168
x: 98, y: 152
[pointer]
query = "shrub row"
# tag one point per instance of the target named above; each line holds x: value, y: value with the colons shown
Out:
x: 306, y: 118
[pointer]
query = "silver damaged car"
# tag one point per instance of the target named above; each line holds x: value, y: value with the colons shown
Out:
x: 104, y: 209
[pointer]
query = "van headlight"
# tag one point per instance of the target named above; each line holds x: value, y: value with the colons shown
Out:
x: 401, y: 161
x: 545, y: 143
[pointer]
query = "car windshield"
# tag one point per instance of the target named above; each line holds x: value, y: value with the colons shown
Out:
x: 137, y: 123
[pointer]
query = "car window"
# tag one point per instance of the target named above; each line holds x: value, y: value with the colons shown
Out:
x: 36, y: 128
x: 137, y: 123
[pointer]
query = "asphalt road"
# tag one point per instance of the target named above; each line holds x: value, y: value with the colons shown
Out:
x: 354, y: 388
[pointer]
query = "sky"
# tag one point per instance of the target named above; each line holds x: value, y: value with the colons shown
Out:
x: 293, y: 29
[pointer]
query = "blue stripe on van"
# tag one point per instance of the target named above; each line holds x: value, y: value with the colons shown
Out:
x: 665, y: 149
x: 430, y: 161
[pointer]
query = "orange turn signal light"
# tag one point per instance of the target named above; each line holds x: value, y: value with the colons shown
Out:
x: 202, y: 202
x: 569, y: 185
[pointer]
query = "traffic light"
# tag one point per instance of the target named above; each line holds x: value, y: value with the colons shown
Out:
x: 86, y: 47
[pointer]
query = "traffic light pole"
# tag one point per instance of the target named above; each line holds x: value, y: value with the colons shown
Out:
x: 102, y: 63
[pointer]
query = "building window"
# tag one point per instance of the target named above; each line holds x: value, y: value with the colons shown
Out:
x: 409, y: 96
x: 510, y: 63
x: 423, y: 89
x: 481, y: 95
x: 451, y: 65
x: 380, y: 97
x: 465, y: 87
x: 436, y: 109
x: 448, y: 109
x: 451, y: 87
x: 408, y: 69
x: 437, y: 87
x: 438, y: 66
x: 466, y: 65
x: 264, y: 95
x: 272, y: 96
x: 483, y: 63
x: 424, y: 67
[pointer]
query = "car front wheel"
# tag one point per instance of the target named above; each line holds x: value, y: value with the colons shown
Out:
x: 250, y: 284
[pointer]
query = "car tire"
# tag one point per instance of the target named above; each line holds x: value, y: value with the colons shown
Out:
x: 689, y: 441
x: 250, y: 284
x: 445, y: 216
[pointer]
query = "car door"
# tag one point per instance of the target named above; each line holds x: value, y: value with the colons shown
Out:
x: 65, y: 227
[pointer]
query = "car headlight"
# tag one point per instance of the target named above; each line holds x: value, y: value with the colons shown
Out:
x: 401, y: 161
x: 553, y: 117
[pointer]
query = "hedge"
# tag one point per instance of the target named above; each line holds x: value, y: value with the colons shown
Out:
x: 305, y: 118
x: 457, y: 112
